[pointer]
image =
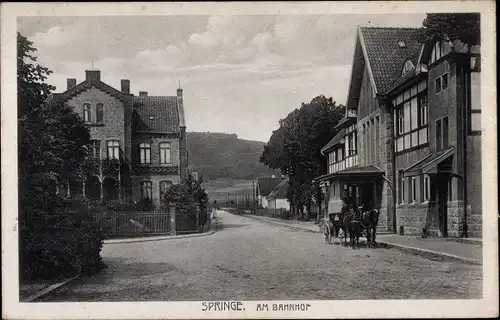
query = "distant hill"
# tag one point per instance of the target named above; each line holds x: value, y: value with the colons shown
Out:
x: 222, y: 155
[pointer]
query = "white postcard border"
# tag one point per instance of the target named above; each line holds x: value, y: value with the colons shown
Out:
x: 12, y: 308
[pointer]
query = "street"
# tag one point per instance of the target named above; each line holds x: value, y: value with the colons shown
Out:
x: 253, y: 260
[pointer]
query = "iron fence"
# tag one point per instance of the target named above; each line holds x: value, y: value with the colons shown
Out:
x: 116, y: 223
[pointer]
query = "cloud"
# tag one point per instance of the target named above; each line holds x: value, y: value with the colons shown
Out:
x: 59, y: 36
x: 240, y: 74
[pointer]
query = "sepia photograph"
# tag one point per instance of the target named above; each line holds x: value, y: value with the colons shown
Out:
x: 246, y: 164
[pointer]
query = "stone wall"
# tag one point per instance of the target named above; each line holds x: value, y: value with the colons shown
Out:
x: 414, y: 217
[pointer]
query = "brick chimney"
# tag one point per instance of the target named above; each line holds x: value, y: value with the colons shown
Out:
x: 125, y: 86
x: 93, y: 76
x: 143, y: 93
x: 70, y: 83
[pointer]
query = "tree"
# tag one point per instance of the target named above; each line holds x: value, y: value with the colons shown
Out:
x: 56, y: 235
x: 295, y: 149
x: 189, y: 197
x: 452, y: 26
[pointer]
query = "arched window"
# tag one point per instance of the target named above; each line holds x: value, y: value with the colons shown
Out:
x: 145, y: 152
x: 165, y: 153
x: 146, y: 190
x: 407, y: 67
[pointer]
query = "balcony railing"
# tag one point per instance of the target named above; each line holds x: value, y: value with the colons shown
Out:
x: 344, y: 164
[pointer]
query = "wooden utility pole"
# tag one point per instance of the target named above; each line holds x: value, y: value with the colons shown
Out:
x: 253, y: 197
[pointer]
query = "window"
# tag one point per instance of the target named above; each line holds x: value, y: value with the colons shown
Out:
x: 146, y: 190
x: 113, y: 149
x: 95, y: 149
x: 422, y: 110
x: 444, y: 82
x: 407, y: 67
x: 164, y: 186
x: 145, y: 152
x: 401, y: 190
x: 439, y: 145
x: 413, y: 190
x: 441, y: 83
x: 86, y: 112
x: 445, y: 132
x: 427, y: 188
x: 165, y: 153
x: 333, y: 189
x: 438, y: 85
x: 411, y: 119
x: 99, y: 113
x: 474, y: 100
x: 400, y: 120
x: 442, y: 134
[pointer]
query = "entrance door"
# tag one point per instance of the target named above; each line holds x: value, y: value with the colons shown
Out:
x: 442, y: 184
x: 368, y: 196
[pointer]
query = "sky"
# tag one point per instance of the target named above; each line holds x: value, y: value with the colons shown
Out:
x: 240, y: 74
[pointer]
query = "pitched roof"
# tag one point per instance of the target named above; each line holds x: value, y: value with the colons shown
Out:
x: 335, y: 141
x: 428, y: 163
x: 280, y: 191
x: 266, y: 185
x: 84, y: 86
x: 345, y: 121
x: 156, y: 113
x: 385, y: 56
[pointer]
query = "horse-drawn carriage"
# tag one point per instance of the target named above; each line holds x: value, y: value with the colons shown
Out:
x: 353, y: 222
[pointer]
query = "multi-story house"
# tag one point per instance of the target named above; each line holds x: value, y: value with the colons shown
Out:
x: 138, y: 143
x: 409, y: 144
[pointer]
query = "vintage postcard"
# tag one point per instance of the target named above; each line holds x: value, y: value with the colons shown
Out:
x: 249, y: 160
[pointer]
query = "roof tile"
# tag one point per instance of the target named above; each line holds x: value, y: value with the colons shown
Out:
x: 156, y: 113
x: 267, y: 184
x: 385, y: 55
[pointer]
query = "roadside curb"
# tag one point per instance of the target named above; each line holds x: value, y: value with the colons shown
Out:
x: 466, y: 240
x: 429, y: 254
x: 158, y: 238
x: 50, y: 289
x: 283, y: 224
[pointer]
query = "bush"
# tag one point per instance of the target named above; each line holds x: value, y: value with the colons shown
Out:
x: 63, y: 242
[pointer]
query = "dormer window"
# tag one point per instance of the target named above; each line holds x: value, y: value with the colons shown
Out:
x: 401, y: 44
x: 407, y: 67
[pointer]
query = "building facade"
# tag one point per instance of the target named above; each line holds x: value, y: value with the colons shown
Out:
x: 409, y: 144
x: 138, y: 143
x: 263, y: 188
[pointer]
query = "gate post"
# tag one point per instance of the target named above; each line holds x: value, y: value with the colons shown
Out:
x: 173, y: 230
x: 198, y: 229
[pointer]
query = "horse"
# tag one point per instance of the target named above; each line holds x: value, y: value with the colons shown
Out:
x: 370, y: 221
x: 343, y: 221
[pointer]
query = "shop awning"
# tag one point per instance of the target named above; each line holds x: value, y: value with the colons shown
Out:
x: 354, y: 175
x: 432, y: 164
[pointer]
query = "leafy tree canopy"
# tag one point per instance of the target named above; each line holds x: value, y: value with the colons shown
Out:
x: 452, y: 26
x: 295, y: 147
